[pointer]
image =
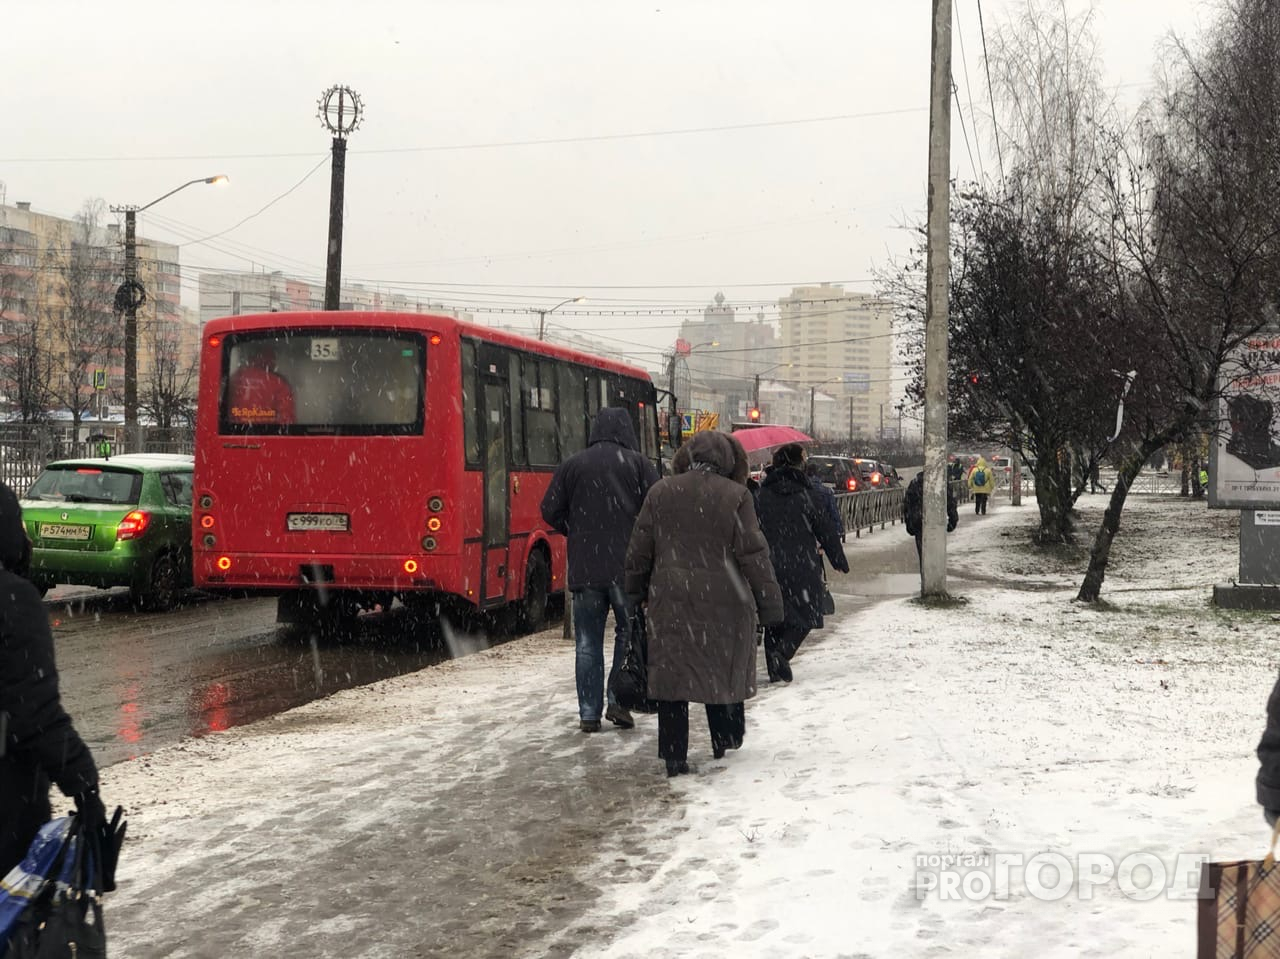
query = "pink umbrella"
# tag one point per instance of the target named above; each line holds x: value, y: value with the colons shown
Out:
x: 763, y: 437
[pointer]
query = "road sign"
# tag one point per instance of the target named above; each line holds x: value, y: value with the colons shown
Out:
x: 99, y: 379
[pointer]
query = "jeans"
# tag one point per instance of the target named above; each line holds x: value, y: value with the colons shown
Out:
x: 727, y: 722
x: 590, y: 615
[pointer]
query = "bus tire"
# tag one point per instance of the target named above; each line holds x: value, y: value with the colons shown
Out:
x: 537, y: 584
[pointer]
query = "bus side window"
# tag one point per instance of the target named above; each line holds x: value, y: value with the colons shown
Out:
x: 573, y: 417
x: 470, y: 438
x: 518, y: 457
x: 540, y: 412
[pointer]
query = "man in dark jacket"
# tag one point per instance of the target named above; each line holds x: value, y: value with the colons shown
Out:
x: 827, y: 497
x: 593, y: 499
x: 39, y: 743
x: 913, y: 511
x: 795, y: 523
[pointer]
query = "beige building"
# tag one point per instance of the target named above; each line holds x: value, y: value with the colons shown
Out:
x: 237, y: 293
x: 58, y: 279
x: 726, y: 347
x: 843, y: 344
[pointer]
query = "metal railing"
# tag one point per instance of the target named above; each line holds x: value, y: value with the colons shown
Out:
x: 26, y: 448
x: 882, y: 507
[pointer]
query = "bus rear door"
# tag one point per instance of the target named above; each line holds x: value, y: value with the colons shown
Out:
x: 497, y: 505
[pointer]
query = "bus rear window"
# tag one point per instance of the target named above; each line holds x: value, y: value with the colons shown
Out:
x: 329, y: 381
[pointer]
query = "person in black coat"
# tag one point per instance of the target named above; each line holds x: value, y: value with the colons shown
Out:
x: 795, y: 522
x: 1268, y: 782
x: 593, y: 499
x: 39, y: 743
x: 913, y: 511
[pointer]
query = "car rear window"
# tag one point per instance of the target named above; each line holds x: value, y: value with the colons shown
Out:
x: 87, y: 484
x: 831, y: 471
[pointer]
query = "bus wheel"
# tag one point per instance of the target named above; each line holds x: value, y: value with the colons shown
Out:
x: 537, y: 581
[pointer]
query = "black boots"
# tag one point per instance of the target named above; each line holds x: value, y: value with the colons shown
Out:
x: 779, y: 669
x: 676, y: 767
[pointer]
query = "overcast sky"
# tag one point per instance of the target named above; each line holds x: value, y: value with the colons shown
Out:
x: 125, y: 101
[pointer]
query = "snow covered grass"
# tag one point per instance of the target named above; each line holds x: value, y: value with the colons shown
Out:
x: 1018, y: 722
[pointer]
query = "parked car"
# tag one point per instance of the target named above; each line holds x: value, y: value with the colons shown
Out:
x: 117, y: 521
x: 839, y: 473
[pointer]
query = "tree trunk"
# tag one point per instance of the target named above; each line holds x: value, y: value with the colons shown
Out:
x: 1053, y: 497
x: 1091, y: 588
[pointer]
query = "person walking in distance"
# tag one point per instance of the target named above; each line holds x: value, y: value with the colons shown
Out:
x: 593, y: 499
x: 38, y: 743
x: 700, y: 563
x: 982, y: 483
x: 913, y: 511
x: 795, y: 523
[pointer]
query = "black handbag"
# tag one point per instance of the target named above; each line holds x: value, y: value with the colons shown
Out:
x: 629, y: 681
x: 64, y: 920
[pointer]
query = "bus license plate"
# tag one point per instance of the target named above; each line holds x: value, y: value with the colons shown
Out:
x: 330, y: 522
x: 63, y: 531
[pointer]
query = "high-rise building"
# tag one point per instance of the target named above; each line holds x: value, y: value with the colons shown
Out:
x: 841, y: 343
x: 725, y: 347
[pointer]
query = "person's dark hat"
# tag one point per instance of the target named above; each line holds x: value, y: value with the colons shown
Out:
x: 792, y: 454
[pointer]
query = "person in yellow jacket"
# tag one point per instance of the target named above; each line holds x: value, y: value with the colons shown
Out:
x: 982, y: 483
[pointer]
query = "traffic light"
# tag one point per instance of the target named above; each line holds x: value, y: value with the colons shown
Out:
x: 753, y: 414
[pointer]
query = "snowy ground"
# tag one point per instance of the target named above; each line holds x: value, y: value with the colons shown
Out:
x: 398, y: 819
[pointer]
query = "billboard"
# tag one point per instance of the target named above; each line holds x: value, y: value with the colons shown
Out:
x: 1244, y: 456
x: 857, y: 382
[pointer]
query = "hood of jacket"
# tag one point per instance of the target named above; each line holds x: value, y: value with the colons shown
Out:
x: 613, y: 425
x: 719, y: 452
x: 15, y: 548
x: 785, y: 480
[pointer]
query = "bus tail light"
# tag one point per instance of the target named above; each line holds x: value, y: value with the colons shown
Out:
x: 434, y: 339
x: 429, y: 543
x: 410, y: 566
x: 206, y: 501
x: 224, y: 563
x: 133, y: 525
x: 209, y: 540
x: 434, y: 524
x: 206, y: 521
x: 435, y: 504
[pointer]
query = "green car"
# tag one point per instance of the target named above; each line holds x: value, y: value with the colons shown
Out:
x: 118, y: 521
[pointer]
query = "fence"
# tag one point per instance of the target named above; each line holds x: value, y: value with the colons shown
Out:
x: 26, y: 448
x: 882, y: 507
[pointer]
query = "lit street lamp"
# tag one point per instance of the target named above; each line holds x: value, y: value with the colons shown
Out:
x: 542, y: 314
x: 130, y: 296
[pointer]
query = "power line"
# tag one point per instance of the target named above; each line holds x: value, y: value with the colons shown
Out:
x: 492, y: 145
x: 269, y: 205
x: 986, y: 62
x: 968, y: 89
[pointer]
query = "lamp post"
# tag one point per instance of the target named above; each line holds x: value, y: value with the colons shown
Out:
x: 130, y: 295
x: 542, y: 314
x: 755, y: 396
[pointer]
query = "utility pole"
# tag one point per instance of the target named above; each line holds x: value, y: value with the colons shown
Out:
x: 882, y: 424
x: 341, y: 111
x: 755, y: 402
x: 933, y: 561
x: 851, y: 425
x: 813, y: 393
x: 132, y: 296
x: 900, y: 424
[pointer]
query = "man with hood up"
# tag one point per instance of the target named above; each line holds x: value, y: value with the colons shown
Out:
x: 593, y: 499
x: 39, y: 743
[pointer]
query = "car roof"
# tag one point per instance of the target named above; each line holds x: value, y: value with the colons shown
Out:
x: 145, y: 462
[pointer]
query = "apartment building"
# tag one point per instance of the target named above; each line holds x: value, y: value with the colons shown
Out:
x: 842, y: 343
x: 58, y: 280
x: 724, y: 347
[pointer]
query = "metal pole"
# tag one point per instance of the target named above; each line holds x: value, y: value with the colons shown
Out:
x: 542, y: 324
x: 337, y: 186
x: 813, y: 392
x: 131, y: 330
x: 851, y: 424
x: 933, y: 562
x: 756, y: 401
x: 881, y: 422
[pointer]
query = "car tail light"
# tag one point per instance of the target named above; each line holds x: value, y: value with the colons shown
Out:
x: 852, y: 484
x: 133, y: 525
x: 876, y: 479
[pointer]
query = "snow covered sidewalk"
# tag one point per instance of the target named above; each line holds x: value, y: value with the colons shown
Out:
x: 398, y: 819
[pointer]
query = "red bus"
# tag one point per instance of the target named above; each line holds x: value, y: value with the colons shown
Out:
x: 343, y: 459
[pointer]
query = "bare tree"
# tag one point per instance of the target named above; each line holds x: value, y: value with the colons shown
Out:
x: 82, y: 271
x: 1195, y: 235
x: 167, y: 394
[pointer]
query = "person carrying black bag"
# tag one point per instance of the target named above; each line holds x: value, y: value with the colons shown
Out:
x: 39, y: 743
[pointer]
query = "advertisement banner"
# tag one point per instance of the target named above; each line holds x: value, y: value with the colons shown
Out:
x: 857, y: 382
x: 1244, y: 457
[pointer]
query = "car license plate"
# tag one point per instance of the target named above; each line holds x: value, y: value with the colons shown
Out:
x: 63, y: 531
x: 330, y: 522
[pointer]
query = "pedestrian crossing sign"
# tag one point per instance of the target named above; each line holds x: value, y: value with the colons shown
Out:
x: 99, y: 379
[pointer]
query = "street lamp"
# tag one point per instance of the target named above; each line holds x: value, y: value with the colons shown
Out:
x: 131, y: 295
x: 542, y: 314
x: 755, y: 402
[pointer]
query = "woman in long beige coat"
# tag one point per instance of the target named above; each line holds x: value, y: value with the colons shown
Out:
x: 699, y: 560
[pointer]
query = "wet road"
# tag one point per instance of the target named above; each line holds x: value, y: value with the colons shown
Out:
x: 134, y: 682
